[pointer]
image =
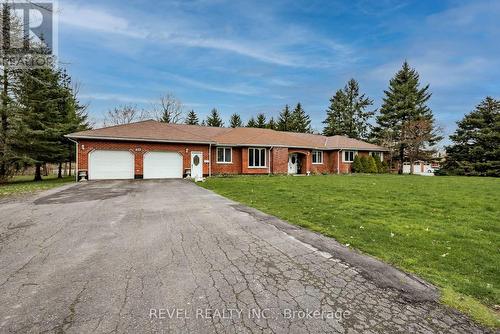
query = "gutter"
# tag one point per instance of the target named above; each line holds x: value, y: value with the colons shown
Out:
x: 210, y: 160
x: 323, y: 148
x: 269, y: 164
x: 141, y: 139
x: 338, y: 161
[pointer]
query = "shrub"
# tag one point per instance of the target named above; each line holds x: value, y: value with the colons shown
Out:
x: 371, y: 165
x: 357, y: 167
x: 364, y: 164
x: 384, y: 167
x: 378, y: 162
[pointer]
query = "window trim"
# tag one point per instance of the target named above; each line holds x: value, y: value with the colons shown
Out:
x: 353, y: 156
x: 265, y: 157
x: 217, y: 155
x: 381, y: 154
x: 321, y: 155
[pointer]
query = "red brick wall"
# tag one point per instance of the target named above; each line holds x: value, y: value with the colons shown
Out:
x: 279, y: 160
x: 328, y: 163
x: 247, y: 170
x: 139, y: 148
x: 227, y: 168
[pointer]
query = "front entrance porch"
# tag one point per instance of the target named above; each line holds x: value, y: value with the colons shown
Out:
x: 296, y: 163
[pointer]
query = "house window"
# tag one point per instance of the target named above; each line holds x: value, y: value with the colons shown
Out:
x: 256, y: 157
x: 317, y: 157
x: 224, y: 155
x: 377, y: 155
x: 349, y: 156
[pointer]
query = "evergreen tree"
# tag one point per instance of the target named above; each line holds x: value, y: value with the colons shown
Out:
x: 74, y: 119
x: 356, y: 166
x: 192, y: 118
x: 12, y: 35
x: 272, y: 124
x: 41, y: 124
x: 261, y: 121
x: 214, y: 119
x: 203, y: 123
x: 235, y: 121
x: 476, y: 142
x: 251, y: 123
x: 404, y: 102
x: 364, y: 164
x: 347, y: 115
x: 301, y: 122
x: 371, y: 165
x: 285, y: 121
x: 380, y: 166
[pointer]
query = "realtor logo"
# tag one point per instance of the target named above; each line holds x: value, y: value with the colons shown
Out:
x: 28, y: 32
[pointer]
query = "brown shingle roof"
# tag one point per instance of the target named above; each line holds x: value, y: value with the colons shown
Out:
x: 151, y: 130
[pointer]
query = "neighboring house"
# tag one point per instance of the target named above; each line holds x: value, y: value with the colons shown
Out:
x: 420, y: 168
x: 151, y: 149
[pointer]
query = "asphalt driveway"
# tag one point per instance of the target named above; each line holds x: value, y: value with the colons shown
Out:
x: 170, y: 257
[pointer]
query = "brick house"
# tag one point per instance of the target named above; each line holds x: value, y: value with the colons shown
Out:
x: 150, y: 149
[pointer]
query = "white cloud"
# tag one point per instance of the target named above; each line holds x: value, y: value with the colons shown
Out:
x: 240, y: 89
x: 123, y: 98
x: 93, y: 18
x: 186, y: 32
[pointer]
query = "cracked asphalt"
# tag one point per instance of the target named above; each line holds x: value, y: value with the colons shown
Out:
x: 168, y: 256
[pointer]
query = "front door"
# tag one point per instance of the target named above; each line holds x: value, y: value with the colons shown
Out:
x: 196, y: 165
x: 292, y: 163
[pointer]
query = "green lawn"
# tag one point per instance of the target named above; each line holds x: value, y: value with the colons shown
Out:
x: 25, y: 184
x: 445, y: 229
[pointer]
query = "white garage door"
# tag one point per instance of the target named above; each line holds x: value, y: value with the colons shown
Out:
x: 162, y: 165
x: 104, y: 165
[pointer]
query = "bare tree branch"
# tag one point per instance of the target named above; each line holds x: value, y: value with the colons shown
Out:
x: 168, y: 110
x: 416, y: 135
x: 124, y: 114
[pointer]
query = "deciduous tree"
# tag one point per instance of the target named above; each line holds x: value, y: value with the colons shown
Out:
x: 169, y: 109
x: 415, y: 136
x: 124, y: 114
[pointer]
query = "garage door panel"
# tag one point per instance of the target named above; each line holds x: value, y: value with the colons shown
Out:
x: 111, y: 165
x: 162, y: 165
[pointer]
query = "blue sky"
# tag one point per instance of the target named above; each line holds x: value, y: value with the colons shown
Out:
x: 256, y: 56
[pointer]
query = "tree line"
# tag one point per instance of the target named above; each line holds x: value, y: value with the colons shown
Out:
x: 38, y: 106
x: 404, y: 123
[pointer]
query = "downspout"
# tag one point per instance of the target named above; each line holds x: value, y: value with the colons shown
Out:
x: 338, y: 161
x: 209, y: 160
x: 269, y: 165
x: 76, y: 158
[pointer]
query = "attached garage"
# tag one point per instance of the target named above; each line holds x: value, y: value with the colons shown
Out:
x: 162, y: 165
x: 111, y: 165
